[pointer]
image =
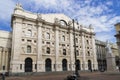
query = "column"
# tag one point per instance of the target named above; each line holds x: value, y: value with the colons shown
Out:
x: 56, y: 48
x: 72, y: 60
x: 3, y: 58
x: 94, y: 53
x: 0, y: 59
x: 83, y: 51
x: 7, y: 60
x: 40, y: 67
x: 16, y: 45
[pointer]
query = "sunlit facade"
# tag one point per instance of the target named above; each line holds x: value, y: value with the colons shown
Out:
x: 44, y: 42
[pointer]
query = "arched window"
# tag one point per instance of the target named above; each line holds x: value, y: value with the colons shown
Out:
x: 63, y: 23
x: 28, y: 49
x: 48, y: 35
x: 63, y: 38
x: 29, y: 33
x: 64, y: 51
x: 48, y: 50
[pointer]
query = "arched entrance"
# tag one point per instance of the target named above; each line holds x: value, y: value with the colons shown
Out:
x: 64, y: 65
x: 89, y: 65
x: 28, y: 65
x: 48, y: 65
x: 78, y: 65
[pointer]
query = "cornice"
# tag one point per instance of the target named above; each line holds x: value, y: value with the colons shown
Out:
x: 55, y: 24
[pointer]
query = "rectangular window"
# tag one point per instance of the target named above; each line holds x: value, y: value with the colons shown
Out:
x: 28, y: 40
x: 47, y: 42
x: 64, y: 51
x: 69, y: 65
x: 54, y: 66
x: 48, y: 35
x: 28, y: 49
x: 34, y: 41
x: 20, y: 66
x: 3, y: 67
x: 48, y: 50
x: 35, y: 66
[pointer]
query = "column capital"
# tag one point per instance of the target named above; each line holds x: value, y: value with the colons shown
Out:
x: 39, y: 24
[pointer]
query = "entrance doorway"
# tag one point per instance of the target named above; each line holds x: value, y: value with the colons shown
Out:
x: 78, y: 65
x: 28, y: 65
x: 64, y: 65
x: 89, y: 65
x: 48, y: 65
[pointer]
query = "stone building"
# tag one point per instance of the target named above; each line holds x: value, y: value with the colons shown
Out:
x: 5, y: 50
x: 117, y: 27
x: 101, y: 54
x: 45, y: 42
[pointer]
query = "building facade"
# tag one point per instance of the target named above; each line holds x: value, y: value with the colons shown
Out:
x: 45, y: 42
x: 117, y: 27
x: 5, y: 50
x: 101, y: 54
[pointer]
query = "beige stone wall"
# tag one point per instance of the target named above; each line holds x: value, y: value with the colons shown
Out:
x: 52, y: 31
x: 5, y: 50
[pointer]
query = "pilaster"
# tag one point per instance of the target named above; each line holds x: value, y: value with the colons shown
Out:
x: 94, y: 53
x: 39, y: 47
x: 83, y: 52
x: 72, y: 61
x: 16, y: 44
x: 56, y: 48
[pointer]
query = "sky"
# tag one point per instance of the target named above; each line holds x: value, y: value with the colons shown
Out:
x: 101, y: 14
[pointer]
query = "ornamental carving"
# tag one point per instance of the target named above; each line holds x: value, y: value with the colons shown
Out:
x: 56, y: 21
x: 39, y: 17
x: 69, y: 23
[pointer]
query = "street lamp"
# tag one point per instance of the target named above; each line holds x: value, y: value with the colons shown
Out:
x: 76, y: 69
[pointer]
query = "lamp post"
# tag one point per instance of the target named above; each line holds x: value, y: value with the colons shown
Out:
x: 76, y: 69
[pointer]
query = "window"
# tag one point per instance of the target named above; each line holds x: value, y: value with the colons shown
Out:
x: 48, y: 35
x: 28, y: 49
x: 64, y: 51
x: 28, y: 40
x: 34, y: 41
x: 87, y: 41
x: 4, y: 67
x: 63, y: 38
x: 88, y: 53
x: 63, y: 23
x: 35, y: 66
x: 20, y: 66
x: 77, y: 53
x: 29, y: 33
x: 22, y: 39
x: 76, y: 40
x: 48, y: 50
x: 47, y: 42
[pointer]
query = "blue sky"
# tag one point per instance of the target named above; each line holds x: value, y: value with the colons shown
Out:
x: 102, y: 14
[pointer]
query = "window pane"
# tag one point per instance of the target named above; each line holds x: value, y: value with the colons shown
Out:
x: 48, y: 50
x: 28, y: 49
x: 48, y: 35
x: 29, y: 33
x: 64, y: 51
x: 63, y: 38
